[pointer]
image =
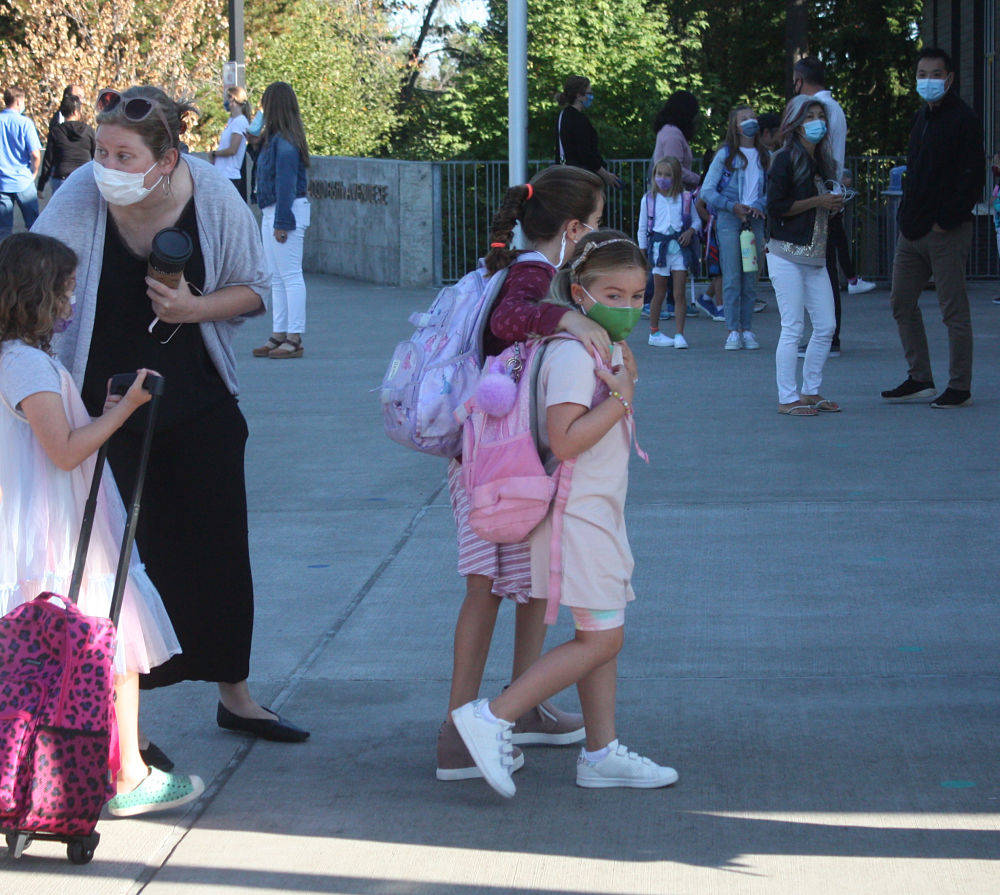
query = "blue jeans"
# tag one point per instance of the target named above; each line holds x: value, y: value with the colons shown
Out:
x: 739, y: 289
x: 55, y: 183
x: 26, y: 200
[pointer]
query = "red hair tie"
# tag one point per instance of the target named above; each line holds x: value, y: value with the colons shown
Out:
x: 498, y: 245
x: 531, y: 190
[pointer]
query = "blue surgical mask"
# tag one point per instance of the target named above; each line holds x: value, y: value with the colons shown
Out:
x: 814, y: 131
x: 750, y: 127
x: 664, y: 183
x: 931, y: 89
x: 588, y: 100
x: 227, y: 104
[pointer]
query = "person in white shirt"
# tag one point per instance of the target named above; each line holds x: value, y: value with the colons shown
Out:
x: 228, y: 158
x: 667, y: 225
x: 809, y: 79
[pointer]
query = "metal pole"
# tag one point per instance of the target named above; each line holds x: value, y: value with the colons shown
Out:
x: 236, y: 41
x: 517, y: 92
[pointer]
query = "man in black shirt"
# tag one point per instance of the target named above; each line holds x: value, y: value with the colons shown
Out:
x: 944, y: 179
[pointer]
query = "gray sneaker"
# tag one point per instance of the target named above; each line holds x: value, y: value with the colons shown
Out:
x: 453, y: 759
x: 489, y: 745
x: 545, y: 725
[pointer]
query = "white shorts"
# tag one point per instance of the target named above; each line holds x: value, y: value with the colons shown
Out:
x: 675, y: 261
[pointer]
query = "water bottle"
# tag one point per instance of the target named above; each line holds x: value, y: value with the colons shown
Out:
x: 748, y: 248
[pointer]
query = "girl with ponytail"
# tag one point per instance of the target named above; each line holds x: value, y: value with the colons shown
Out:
x: 555, y: 210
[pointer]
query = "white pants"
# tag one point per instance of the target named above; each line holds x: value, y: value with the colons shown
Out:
x: 284, y: 261
x: 800, y: 288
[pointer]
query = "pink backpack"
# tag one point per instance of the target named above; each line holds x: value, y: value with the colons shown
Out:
x: 509, y: 490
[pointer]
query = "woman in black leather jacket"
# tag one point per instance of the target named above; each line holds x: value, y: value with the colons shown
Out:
x: 799, y: 203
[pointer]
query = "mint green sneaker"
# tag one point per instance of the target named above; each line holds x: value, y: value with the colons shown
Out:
x: 158, y: 792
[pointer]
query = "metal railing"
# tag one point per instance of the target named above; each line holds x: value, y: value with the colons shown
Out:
x: 467, y: 193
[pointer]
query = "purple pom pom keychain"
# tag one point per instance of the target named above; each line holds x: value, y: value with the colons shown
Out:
x: 496, y: 391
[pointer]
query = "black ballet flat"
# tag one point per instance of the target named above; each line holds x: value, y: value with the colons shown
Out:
x: 278, y: 730
x: 155, y: 757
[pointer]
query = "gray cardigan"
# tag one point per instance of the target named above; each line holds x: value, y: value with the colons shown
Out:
x: 230, y: 242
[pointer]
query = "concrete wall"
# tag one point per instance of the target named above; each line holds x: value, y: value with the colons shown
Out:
x: 373, y: 220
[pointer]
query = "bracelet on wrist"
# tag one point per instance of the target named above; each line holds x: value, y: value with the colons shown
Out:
x: 625, y: 403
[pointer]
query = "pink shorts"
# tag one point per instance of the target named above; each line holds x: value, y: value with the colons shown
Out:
x: 509, y: 565
x: 597, y: 619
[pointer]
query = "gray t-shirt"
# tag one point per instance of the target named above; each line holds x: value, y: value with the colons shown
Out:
x: 25, y: 371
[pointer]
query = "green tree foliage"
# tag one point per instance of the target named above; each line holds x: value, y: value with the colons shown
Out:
x: 342, y: 62
x: 632, y: 59
x: 637, y: 52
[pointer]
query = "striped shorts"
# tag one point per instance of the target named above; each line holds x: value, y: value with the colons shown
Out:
x: 509, y: 565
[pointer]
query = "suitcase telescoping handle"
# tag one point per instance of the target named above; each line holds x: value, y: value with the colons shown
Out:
x: 119, y: 385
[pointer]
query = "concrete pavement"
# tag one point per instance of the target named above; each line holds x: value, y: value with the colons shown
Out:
x: 814, y: 646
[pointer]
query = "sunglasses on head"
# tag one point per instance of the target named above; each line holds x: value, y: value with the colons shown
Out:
x: 135, y: 109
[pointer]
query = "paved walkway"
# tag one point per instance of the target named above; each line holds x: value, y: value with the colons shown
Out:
x: 814, y: 647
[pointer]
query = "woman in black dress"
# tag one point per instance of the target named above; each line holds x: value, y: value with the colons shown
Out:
x: 192, y: 532
x: 576, y: 139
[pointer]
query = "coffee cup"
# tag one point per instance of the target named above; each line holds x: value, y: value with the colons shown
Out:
x: 171, y: 249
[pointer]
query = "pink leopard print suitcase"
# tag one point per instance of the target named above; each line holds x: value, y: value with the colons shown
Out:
x: 58, y: 732
x: 56, y: 719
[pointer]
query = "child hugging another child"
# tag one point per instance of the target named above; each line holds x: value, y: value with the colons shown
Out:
x: 587, y: 417
x: 667, y: 225
x: 47, y: 448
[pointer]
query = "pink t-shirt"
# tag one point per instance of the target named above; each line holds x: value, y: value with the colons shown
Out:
x: 670, y: 141
x: 596, y: 557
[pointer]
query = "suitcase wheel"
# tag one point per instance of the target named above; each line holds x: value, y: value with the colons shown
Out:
x: 17, y: 843
x: 79, y: 853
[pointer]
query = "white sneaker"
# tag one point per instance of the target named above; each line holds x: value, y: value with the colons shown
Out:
x: 733, y: 341
x: 680, y: 341
x: 750, y: 340
x: 622, y: 768
x: 489, y: 745
x: 860, y: 286
x: 659, y: 340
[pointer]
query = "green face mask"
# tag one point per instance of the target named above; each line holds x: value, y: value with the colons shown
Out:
x: 619, y: 322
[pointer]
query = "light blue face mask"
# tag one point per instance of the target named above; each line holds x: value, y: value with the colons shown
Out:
x: 814, y: 131
x: 750, y: 127
x: 931, y: 89
x: 588, y: 100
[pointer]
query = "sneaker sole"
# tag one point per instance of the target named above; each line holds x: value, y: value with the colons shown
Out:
x: 152, y: 807
x: 916, y: 396
x: 549, y: 739
x: 752, y: 347
x: 626, y: 782
x: 502, y: 785
x: 733, y: 347
x: 964, y: 403
x: 473, y: 773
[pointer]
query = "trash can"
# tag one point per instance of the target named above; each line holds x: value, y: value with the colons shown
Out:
x: 893, y: 196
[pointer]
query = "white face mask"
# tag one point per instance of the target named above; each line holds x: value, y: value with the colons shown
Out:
x: 122, y: 187
x: 562, y: 245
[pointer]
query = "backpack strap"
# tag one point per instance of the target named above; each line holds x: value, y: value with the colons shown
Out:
x: 562, y: 153
x: 686, y: 210
x: 650, y: 213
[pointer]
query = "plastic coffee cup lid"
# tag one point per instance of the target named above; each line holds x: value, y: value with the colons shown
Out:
x: 172, y: 247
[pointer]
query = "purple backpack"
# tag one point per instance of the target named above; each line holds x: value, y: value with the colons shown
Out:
x: 434, y: 372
